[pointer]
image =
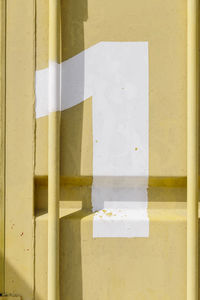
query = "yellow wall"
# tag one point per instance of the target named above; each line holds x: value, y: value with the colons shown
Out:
x: 20, y: 126
x: 92, y: 269
x: 163, y: 25
x: 144, y: 268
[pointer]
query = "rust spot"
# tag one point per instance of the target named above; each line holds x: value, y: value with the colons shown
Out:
x: 109, y: 214
x: 21, y: 234
x: 136, y: 149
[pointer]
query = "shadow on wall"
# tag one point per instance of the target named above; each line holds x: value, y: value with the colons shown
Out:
x: 71, y: 260
x: 71, y: 287
x: 15, y: 285
x: 199, y: 108
x: 71, y: 272
x: 74, y: 13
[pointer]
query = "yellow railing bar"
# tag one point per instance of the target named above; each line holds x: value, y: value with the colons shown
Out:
x: 54, y: 150
x: 192, y: 150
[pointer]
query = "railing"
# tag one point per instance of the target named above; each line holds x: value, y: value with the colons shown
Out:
x: 192, y: 150
x: 54, y: 150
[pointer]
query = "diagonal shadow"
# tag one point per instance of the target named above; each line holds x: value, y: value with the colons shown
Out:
x: 71, y: 256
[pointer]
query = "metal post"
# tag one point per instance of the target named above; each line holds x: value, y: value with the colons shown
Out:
x: 54, y: 150
x: 192, y: 150
x: 2, y: 142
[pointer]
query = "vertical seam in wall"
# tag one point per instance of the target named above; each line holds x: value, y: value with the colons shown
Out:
x: 34, y: 141
x: 5, y: 143
x: 2, y: 129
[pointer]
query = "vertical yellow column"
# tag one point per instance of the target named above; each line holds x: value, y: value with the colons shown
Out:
x: 54, y: 150
x: 2, y: 143
x: 192, y: 150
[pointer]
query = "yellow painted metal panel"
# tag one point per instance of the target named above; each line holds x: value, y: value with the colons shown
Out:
x: 20, y: 126
x: 54, y: 152
x: 10, y: 298
x: 2, y: 142
x: 153, y: 268
x: 116, y: 269
x: 107, y: 268
x: 164, y: 26
x: 192, y: 148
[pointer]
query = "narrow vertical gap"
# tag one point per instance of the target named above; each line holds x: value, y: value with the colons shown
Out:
x: 2, y: 141
x: 34, y: 144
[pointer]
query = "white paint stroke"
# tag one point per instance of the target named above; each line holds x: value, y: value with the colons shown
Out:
x: 121, y: 223
x: 118, y: 196
x: 115, y: 74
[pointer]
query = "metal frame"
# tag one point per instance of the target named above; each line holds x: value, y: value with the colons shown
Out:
x: 54, y: 150
x: 192, y: 149
x: 2, y: 142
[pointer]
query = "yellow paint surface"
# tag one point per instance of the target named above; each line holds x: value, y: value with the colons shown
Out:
x: 10, y: 298
x: 163, y: 25
x: 2, y: 142
x: 138, y: 268
x: 76, y: 142
x: 91, y: 269
x: 119, y: 269
x: 20, y: 74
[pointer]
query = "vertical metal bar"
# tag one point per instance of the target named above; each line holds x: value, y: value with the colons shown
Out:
x: 2, y: 143
x: 192, y: 150
x: 54, y: 150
